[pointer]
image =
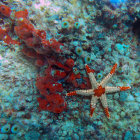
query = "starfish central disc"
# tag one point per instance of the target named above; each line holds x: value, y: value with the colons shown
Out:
x: 99, y: 91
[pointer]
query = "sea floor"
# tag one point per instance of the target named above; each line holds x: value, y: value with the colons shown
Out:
x: 99, y: 33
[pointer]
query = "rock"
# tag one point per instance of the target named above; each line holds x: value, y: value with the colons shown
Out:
x: 76, y: 137
x: 32, y: 135
x: 64, y: 133
x: 130, y: 98
x: 137, y: 136
x: 119, y: 125
x: 128, y: 135
x: 123, y: 96
x: 122, y: 114
x: 134, y: 106
x: 117, y: 117
x: 3, y: 136
x: 138, y: 99
x: 116, y: 96
x: 137, y: 94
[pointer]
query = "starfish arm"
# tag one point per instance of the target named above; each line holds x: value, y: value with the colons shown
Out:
x: 81, y: 92
x: 106, y: 112
x: 104, y: 100
x: 105, y: 105
x: 107, y: 78
x: 124, y: 88
x: 115, y: 89
x: 93, y: 104
x: 93, y: 81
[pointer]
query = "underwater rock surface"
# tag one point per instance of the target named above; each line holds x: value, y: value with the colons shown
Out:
x: 44, y: 46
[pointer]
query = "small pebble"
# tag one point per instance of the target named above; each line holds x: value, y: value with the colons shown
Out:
x: 122, y: 114
x: 130, y: 98
x: 138, y: 99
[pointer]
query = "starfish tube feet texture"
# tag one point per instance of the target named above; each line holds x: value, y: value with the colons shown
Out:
x: 98, y: 90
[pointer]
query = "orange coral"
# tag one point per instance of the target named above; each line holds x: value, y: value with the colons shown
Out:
x: 53, y: 103
x: 24, y: 31
x: 6, y: 38
x: 39, y: 62
x: 21, y: 14
x: 5, y: 10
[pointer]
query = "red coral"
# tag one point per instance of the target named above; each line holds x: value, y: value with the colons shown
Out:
x: 53, y: 103
x: 21, y: 14
x: 41, y: 85
x: 39, y: 62
x: 30, y: 42
x: 41, y: 34
x: 42, y: 104
x: 48, y: 84
x: 24, y: 31
x: 3, y: 33
x: 87, y: 81
x: 6, y: 38
x: 30, y: 52
x: 72, y: 79
x: 5, y: 10
x: 70, y: 63
x: 52, y: 45
x: 59, y: 74
x: 37, y: 47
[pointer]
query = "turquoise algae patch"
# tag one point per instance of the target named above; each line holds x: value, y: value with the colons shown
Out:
x: 122, y: 48
x: 128, y: 135
x: 99, y: 76
x: 123, y: 96
x: 3, y: 137
x: 79, y: 51
x: 32, y: 135
x: 15, y: 129
x: 77, y: 25
x: 5, y: 128
x: 65, y: 24
x: 87, y: 59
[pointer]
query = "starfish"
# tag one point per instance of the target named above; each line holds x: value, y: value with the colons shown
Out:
x: 98, y: 90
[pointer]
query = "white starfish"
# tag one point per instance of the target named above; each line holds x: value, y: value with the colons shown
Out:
x: 98, y: 90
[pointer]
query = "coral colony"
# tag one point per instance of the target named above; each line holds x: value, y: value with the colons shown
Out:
x: 50, y: 50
